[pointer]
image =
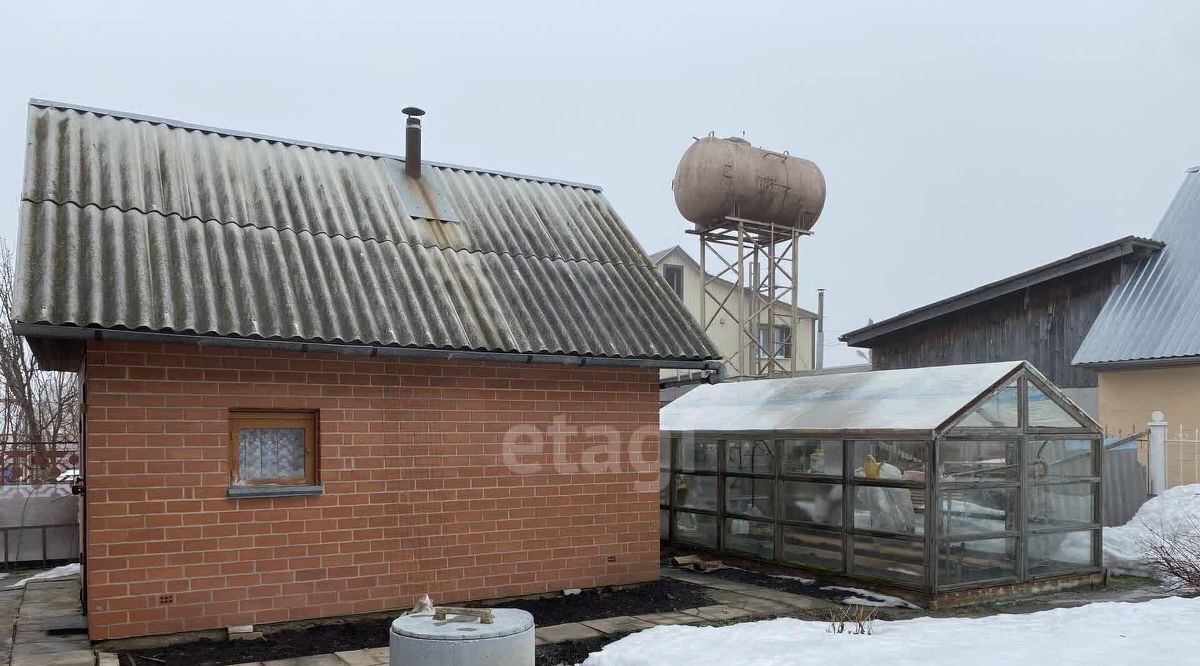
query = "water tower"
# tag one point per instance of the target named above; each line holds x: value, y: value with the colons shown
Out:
x: 750, y: 206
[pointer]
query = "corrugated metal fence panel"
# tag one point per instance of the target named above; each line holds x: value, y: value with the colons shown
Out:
x: 146, y: 272
x: 1125, y: 485
x: 1155, y: 312
x: 141, y: 225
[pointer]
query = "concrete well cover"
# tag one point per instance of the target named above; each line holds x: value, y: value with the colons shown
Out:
x: 507, y: 622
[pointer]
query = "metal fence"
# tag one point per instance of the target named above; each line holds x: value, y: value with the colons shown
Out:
x: 26, y: 462
x: 1183, y: 456
x: 1125, y: 481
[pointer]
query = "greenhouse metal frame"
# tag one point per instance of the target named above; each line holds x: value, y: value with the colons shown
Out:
x: 1016, y: 498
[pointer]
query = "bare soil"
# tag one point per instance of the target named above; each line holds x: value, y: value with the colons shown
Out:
x: 356, y: 634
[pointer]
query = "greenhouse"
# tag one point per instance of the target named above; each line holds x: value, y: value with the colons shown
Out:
x: 949, y: 482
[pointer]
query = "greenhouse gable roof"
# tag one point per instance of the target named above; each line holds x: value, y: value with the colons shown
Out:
x: 917, y: 399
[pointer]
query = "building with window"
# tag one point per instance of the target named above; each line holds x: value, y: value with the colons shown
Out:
x: 318, y: 380
x: 946, y: 483
x: 682, y: 274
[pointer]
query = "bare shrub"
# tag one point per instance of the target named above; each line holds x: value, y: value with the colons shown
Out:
x: 1175, y: 557
x: 854, y: 620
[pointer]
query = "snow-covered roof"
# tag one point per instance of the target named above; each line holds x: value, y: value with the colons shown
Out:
x: 917, y: 399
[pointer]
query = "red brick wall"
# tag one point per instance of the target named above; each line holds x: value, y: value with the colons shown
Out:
x: 417, y: 495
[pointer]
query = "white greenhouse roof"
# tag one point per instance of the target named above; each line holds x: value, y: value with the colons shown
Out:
x: 914, y: 399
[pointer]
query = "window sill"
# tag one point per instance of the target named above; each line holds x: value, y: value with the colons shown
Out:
x: 274, y: 491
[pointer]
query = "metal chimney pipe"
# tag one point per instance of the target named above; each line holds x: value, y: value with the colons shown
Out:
x: 412, y: 141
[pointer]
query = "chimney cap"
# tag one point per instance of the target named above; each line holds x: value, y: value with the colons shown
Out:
x: 412, y: 111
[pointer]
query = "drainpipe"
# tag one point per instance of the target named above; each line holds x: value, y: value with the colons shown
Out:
x: 819, y: 338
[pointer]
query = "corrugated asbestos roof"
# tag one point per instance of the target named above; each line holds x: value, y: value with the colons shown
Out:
x: 141, y: 224
x: 1154, y: 314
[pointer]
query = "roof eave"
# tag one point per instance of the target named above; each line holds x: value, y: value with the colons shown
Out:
x: 1138, y: 363
x: 80, y: 334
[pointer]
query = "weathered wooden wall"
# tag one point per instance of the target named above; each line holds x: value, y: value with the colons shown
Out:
x: 1044, y: 325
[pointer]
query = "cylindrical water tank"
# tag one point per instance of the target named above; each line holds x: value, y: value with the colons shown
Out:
x: 418, y: 639
x: 719, y: 178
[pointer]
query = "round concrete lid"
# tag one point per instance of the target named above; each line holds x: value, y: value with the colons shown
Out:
x: 506, y: 622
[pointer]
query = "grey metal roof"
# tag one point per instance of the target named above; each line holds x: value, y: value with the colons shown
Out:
x: 144, y: 224
x: 1153, y: 316
x: 1129, y: 247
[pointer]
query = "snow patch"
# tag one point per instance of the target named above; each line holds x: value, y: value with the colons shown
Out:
x: 1100, y: 633
x: 799, y: 579
x: 1169, y: 514
x: 861, y: 597
x: 57, y: 572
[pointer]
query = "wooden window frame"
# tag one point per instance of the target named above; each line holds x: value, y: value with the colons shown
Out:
x: 306, y: 420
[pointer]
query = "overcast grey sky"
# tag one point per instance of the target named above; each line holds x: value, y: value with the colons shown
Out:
x: 961, y: 141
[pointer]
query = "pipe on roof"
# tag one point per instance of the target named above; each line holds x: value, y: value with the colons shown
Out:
x: 412, y: 141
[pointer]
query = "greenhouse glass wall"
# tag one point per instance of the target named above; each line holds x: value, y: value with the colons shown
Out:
x: 936, y: 480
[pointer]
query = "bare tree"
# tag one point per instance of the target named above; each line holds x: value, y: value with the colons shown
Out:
x: 39, y: 406
x: 1174, y: 555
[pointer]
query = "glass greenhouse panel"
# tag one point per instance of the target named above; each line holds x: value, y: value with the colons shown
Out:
x: 1062, y: 505
x: 962, y: 562
x: 977, y: 511
x: 750, y: 457
x: 1061, y: 552
x: 696, y: 529
x: 888, y: 510
x: 664, y: 489
x: 1061, y: 459
x: 889, y: 461
x: 664, y: 525
x: 821, y: 457
x: 697, y: 456
x: 1044, y: 412
x: 999, y: 410
x: 664, y: 453
x: 751, y: 537
x: 889, y: 559
x: 750, y: 497
x: 812, y: 502
x: 812, y: 548
x: 696, y: 492
x: 970, y: 460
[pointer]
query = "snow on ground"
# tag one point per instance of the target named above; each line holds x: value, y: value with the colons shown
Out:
x: 863, y: 597
x: 57, y: 572
x: 1100, y: 633
x: 799, y: 579
x: 1169, y: 513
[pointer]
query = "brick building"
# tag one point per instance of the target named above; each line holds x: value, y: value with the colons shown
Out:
x: 322, y: 381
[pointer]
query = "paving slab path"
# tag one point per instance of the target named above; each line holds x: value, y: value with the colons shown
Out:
x: 44, y: 625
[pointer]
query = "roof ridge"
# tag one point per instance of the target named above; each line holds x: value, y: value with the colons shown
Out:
x: 1002, y: 286
x: 299, y: 143
x: 364, y: 239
